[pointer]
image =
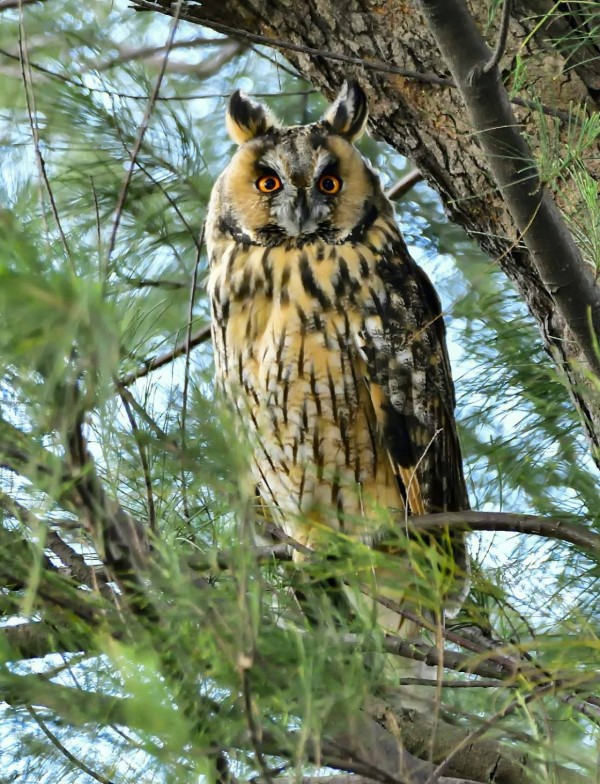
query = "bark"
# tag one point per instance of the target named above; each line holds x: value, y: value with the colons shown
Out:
x: 416, y: 108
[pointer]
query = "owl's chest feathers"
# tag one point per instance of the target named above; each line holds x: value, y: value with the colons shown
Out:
x: 291, y: 313
x: 287, y: 326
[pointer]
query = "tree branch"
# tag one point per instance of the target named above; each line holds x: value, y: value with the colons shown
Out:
x: 560, y: 530
x: 78, y: 487
x: 403, y: 186
x: 38, y: 639
x: 352, y: 778
x: 494, y: 61
x: 557, y: 259
x: 195, y: 339
x: 74, y: 706
x: 64, y: 750
x: 191, y: 14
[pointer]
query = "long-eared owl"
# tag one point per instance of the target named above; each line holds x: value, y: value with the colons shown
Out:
x: 329, y: 339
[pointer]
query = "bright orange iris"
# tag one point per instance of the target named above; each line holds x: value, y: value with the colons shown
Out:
x: 329, y: 184
x: 268, y: 184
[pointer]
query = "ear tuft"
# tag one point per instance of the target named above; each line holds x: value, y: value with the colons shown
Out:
x: 247, y: 119
x: 349, y: 113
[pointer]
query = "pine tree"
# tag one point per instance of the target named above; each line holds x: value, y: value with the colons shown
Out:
x: 148, y: 634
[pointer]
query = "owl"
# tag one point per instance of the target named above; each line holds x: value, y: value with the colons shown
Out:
x: 329, y: 340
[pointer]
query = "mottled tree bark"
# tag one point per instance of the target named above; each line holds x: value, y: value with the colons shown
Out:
x: 426, y: 120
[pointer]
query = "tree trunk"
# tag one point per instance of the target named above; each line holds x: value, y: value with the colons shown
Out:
x: 417, y: 110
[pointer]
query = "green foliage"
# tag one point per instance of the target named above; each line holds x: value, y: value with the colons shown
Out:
x: 97, y: 272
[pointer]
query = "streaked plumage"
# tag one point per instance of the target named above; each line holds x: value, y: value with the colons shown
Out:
x: 329, y: 339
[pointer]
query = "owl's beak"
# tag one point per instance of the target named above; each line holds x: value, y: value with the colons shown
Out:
x: 298, y: 217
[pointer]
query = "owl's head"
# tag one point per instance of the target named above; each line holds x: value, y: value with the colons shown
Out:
x: 300, y: 183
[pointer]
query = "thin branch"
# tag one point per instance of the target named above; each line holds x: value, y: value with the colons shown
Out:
x: 494, y: 60
x: 456, y: 684
x: 142, y: 132
x: 63, y: 749
x: 151, y: 283
x: 124, y: 393
x: 226, y: 559
x: 577, y: 534
x: 142, y: 451
x: 186, y: 372
x: 22, y: 567
x: 128, y: 55
x: 207, y: 67
x: 566, y: 117
x: 252, y: 728
x: 31, y: 112
x: 148, y: 365
x: 403, y: 186
x: 124, y: 539
x: 377, y: 65
x: 76, y: 564
x: 451, y: 660
x: 72, y: 560
x: 169, y: 198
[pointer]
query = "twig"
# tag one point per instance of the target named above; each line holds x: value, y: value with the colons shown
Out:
x: 102, y: 265
x: 225, y: 559
x: 534, y: 105
x: 494, y: 60
x: 126, y: 56
x: 151, y: 283
x: 31, y: 112
x: 170, y: 199
x: 145, y: 416
x: 353, y: 778
x: 63, y: 749
x: 148, y: 365
x: 369, y: 65
x: 144, y: 461
x: 75, y: 562
x: 252, y: 728
x: 403, y: 186
x: 186, y: 372
x: 142, y: 132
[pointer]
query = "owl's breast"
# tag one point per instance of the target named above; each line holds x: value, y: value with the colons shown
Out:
x: 285, y: 324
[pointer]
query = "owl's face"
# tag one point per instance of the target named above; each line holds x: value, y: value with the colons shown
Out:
x: 297, y: 184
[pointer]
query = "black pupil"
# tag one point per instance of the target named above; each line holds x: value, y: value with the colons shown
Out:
x: 270, y: 183
x: 328, y: 184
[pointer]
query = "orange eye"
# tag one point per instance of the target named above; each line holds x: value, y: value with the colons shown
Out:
x: 268, y: 184
x: 329, y: 184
